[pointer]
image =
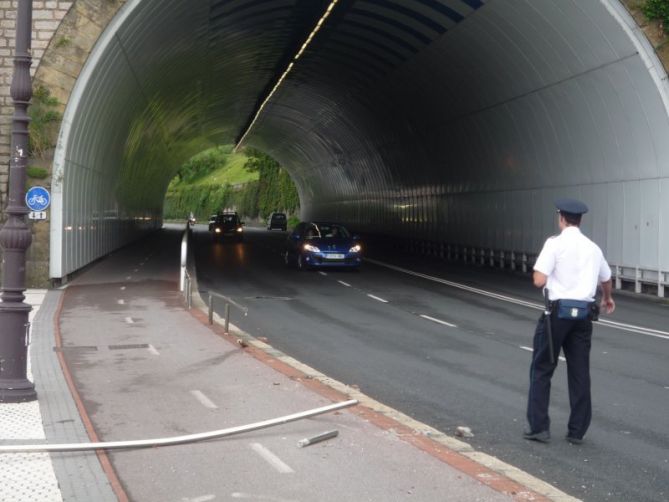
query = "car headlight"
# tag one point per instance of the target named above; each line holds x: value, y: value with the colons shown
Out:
x: 240, y: 229
x: 312, y: 248
x: 217, y: 230
x: 355, y: 249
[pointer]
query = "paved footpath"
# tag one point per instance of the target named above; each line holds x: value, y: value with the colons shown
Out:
x: 141, y: 366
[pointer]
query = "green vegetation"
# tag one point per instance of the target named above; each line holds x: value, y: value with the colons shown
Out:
x: 276, y: 190
x: 63, y: 42
x: 658, y: 10
x: 38, y: 173
x: 252, y: 183
x: 44, y: 121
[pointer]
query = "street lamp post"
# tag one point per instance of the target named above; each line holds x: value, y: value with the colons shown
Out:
x: 15, y: 236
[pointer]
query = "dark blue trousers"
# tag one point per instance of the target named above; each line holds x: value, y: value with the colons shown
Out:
x: 574, y: 338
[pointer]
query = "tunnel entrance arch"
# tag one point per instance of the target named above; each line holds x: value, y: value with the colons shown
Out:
x: 450, y: 124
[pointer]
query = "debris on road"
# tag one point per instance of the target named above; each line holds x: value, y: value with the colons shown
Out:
x: 464, y: 432
x: 317, y: 439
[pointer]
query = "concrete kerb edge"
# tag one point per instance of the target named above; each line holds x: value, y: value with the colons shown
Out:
x: 455, y: 445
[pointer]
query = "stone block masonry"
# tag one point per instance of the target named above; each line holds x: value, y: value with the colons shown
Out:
x: 47, y: 16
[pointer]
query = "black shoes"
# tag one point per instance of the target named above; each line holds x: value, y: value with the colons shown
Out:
x: 541, y: 436
x: 573, y: 439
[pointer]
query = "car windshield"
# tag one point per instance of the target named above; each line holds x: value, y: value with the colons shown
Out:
x: 279, y: 217
x: 228, y: 218
x: 327, y: 231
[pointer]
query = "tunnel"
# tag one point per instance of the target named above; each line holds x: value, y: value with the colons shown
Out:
x: 449, y: 124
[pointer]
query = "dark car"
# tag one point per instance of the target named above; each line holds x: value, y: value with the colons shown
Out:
x: 227, y: 225
x: 277, y: 220
x: 320, y: 244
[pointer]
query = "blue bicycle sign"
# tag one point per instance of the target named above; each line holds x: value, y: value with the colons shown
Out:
x: 38, y: 199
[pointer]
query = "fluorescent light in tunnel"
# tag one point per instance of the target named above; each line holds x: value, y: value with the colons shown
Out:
x: 304, y: 46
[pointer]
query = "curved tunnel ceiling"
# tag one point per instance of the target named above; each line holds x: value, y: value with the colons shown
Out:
x: 448, y: 121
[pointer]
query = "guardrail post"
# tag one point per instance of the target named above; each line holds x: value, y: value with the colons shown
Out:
x: 184, y: 259
x: 211, y: 309
x: 227, y: 318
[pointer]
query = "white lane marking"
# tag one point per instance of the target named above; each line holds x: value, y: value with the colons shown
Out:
x: 270, y: 498
x: 128, y: 277
x: 204, y: 400
x: 242, y: 495
x: 120, y: 302
x: 612, y: 324
x: 203, y: 498
x: 377, y: 298
x: 129, y: 320
x: 635, y: 329
x: 433, y: 319
x: 344, y: 284
x: 153, y: 350
x: 271, y: 458
x: 122, y: 288
x: 530, y: 349
x: 322, y: 273
x: 136, y: 270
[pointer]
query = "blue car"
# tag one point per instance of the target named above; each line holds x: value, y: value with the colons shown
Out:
x: 314, y: 244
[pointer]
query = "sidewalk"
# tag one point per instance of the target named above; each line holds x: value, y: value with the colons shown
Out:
x: 144, y: 367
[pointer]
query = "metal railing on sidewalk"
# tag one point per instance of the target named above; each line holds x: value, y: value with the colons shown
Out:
x: 229, y: 301
x: 186, y: 281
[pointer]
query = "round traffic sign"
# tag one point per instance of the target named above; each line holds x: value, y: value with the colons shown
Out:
x: 38, y: 199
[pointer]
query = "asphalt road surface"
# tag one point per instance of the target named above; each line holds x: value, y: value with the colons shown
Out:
x: 449, y: 355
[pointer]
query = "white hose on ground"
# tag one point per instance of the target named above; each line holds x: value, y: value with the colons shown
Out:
x: 191, y: 438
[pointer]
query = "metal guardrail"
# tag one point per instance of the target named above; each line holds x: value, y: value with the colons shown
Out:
x: 228, y: 302
x: 520, y: 261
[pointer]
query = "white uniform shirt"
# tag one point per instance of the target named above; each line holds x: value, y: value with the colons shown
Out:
x: 574, y: 266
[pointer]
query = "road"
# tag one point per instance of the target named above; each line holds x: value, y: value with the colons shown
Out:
x: 449, y: 356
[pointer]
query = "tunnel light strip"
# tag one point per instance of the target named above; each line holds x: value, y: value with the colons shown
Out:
x: 297, y: 56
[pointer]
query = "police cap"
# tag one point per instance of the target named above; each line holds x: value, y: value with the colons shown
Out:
x: 571, y: 206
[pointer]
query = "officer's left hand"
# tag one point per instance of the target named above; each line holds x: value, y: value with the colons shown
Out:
x: 608, y: 305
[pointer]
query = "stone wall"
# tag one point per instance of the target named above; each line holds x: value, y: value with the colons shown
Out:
x: 47, y: 16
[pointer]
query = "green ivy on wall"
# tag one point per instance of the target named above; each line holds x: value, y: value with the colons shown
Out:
x: 45, y: 120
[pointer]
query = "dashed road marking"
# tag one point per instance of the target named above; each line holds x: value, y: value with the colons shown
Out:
x: 344, y: 284
x: 120, y: 302
x: 202, y: 498
x: 604, y: 322
x: 271, y: 459
x: 136, y: 270
x: 153, y: 350
x: 322, y: 273
x: 128, y: 277
x: 377, y: 298
x: 530, y: 349
x: 122, y: 288
x: 204, y: 400
x: 433, y: 319
x: 129, y: 320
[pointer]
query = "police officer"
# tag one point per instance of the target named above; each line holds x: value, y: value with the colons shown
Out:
x: 570, y: 266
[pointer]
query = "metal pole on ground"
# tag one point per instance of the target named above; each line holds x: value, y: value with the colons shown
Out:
x: 15, y: 236
x: 227, y: 317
